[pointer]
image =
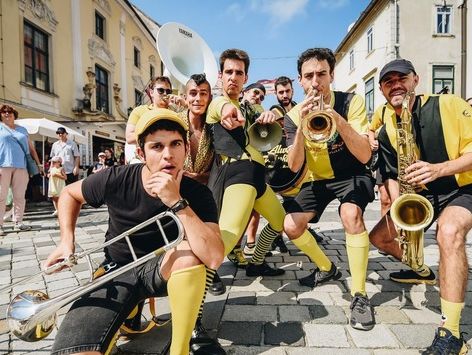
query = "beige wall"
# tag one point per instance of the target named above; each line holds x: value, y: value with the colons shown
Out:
x: 417, y: 42
x: 70, y: 25
x: 73, y: 48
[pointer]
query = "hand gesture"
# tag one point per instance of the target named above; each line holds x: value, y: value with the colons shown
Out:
x: 266, y: 117
x: 231, y: 117
x: 421, y: 172
x: 165, y: 187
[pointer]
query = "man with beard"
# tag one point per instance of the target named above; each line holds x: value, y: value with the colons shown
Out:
x: 442, y: 134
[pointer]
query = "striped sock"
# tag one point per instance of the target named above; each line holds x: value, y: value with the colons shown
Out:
x: 210, y: 274
x: 263, y: 244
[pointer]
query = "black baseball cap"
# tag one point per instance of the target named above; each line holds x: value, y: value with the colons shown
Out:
x: 397, y: 65
x: 61, y: 130
x: 255, y: 86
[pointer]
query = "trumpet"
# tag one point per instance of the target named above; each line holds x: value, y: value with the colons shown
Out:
x: 319, y: 125
x: 31, y: 315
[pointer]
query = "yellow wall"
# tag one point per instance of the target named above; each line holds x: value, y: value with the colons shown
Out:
x: 65, y: 82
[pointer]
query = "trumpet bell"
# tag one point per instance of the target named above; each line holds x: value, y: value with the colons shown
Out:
x: 319, y: 126
x: 24, y: 316
x: 264, y: 137
x: 411, y: 212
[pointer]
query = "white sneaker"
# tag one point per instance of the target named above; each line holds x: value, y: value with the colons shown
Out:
x: 54, y: 214
x: 2, y: 232
x: 21, y: 227
x: 7, y: 217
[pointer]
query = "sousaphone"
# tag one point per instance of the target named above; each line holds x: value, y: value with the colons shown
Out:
x: 184, y: 53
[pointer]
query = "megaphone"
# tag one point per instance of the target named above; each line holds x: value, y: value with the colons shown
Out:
x: 264, y: 137
x: 185, y: 53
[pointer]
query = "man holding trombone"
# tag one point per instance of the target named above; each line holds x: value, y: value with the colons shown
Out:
x: 133, y: 194
x: 329, y: 130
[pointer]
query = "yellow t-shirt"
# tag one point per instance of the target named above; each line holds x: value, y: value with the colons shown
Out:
x: 443, y: 131
x: 137, y: 112
x: 331, y: 159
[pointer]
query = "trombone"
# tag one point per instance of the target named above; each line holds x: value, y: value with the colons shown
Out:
x: 31, y: 315
x: 319, y: 125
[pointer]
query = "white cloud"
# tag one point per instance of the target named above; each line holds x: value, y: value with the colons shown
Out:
x: 236, y: 11
x: 279, y: 11
x: 332, y: 4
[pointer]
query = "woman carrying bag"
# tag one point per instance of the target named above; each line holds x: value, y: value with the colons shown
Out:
x: 17, y: 163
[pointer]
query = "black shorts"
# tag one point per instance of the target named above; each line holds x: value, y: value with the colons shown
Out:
x: 246, y: 172
x: 93, y: 319
x: 461, y: 197
x: 315, y: 196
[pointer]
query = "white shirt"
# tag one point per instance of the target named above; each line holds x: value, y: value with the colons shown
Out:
x: 67, y: 151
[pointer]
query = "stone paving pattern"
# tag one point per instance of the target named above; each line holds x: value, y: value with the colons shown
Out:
x: 255, y: 316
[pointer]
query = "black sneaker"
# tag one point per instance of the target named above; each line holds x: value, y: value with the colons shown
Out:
x: 318, y: 237
x: 263, y: 270
x: 444, y: 343
x: 217, y: 287
x: 279, y: 243
x: 362, y: 313
x: 411, y: 277
x: 318, y: 276
x: 201, y: 342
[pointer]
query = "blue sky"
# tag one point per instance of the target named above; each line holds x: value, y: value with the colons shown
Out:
x: 273, y: 32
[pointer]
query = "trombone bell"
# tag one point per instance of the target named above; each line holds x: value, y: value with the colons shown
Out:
x: 25, y: 319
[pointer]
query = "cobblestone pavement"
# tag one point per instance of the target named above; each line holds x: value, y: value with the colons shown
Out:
x: 272, y: 315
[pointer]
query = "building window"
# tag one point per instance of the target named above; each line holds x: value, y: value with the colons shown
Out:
x: 152, y: 71
x: 138, y: 97
x: 101, y: 81
x: 443, y: 79
x: 351, y: 59
x: 369, y: 96
x: 137, y: 58
x: 370, y: 40
x: 36, y: 47
x: 99, y: 25
x: 443, y: 19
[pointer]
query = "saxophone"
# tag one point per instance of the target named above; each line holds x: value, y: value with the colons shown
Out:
x: 410, y: 212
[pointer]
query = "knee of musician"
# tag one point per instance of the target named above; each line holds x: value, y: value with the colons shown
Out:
x: 449, y: 236
x: 293, y: 229
x: 351, y: 215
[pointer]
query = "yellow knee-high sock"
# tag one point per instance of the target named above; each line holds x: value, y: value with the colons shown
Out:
x: 210, y: 274
x: 185, y: 289
x: 451, y: 315
x: 357, y: 247
x: 307, y: 244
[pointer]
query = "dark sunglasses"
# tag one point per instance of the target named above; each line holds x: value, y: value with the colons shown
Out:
x: 261, y: 95
x: 7, y: 112
x: 161, y: 91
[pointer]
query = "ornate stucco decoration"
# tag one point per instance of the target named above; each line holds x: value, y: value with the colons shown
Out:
x: 98, y: 49
x: 137, y: 42
x: 152, y: 59
x: 40, y: 10
x: 137, y: 81
x: 104, y: 5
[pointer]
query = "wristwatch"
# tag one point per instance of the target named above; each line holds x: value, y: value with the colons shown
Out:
x: 179, y: 205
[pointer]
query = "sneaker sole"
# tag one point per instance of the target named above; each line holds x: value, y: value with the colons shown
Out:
x: 361, y: 326
x: 414, y: 281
